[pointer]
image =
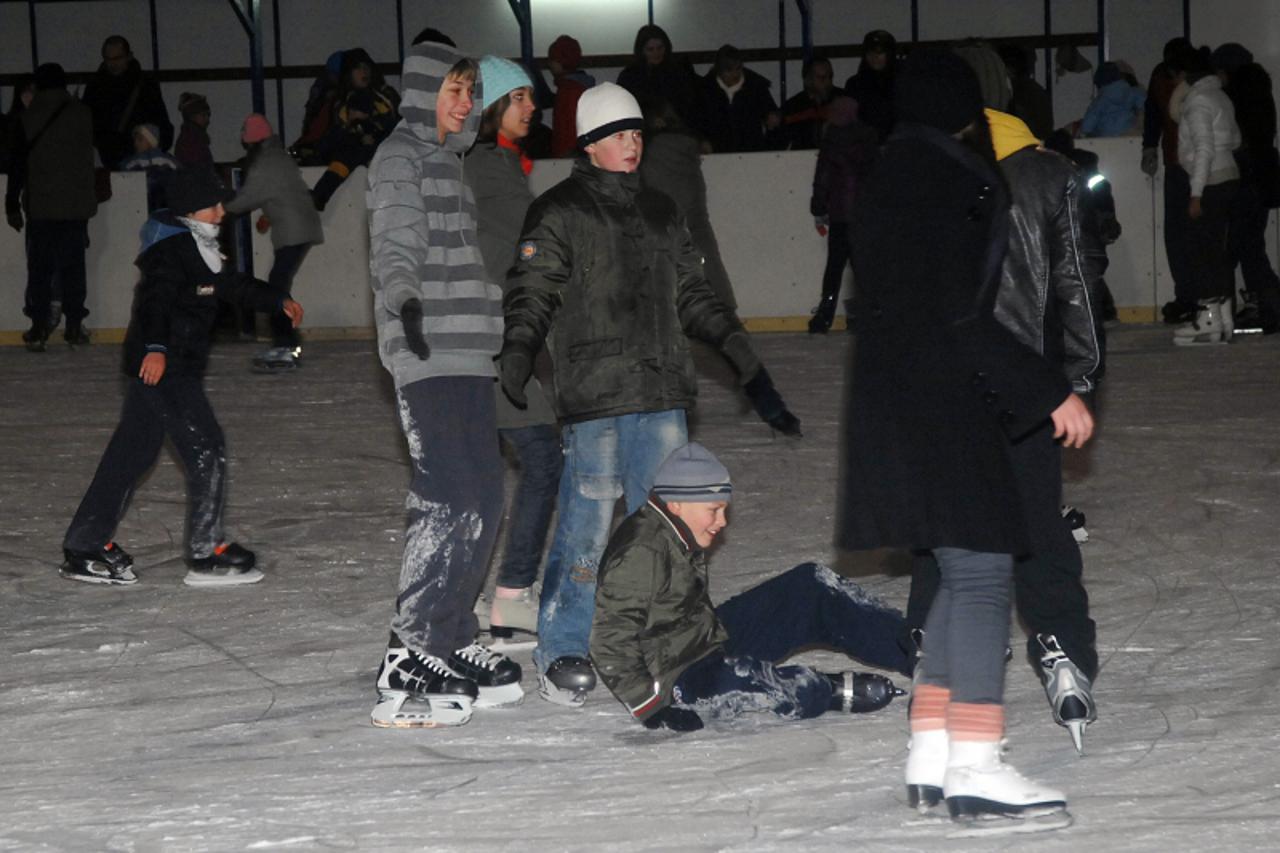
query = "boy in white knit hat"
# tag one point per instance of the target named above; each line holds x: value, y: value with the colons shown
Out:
x: 607, y: 277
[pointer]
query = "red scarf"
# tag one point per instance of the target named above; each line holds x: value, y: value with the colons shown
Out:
x: 526, y: 165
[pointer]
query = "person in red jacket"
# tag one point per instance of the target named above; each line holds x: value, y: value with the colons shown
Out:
x: 562, y: 58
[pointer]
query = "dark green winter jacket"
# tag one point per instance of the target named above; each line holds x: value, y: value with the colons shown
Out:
x: 607, y: 276
x: 654, y: 616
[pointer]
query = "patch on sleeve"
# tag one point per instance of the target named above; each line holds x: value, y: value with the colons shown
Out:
x: 528, y: 250
x: 204, y: 290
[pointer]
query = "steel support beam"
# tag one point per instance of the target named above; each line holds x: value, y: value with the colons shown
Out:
x: 1103, y: 48
x: 275, y: 26
x: 1048, y: 51
x: 155, y: 36
x: 31, y: 22
x: 524, y: 17
x: 915, y: 20
x: 782, y: 48
x: 806, y: 27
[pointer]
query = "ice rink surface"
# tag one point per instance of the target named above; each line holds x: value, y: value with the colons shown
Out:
x: 162, y: 717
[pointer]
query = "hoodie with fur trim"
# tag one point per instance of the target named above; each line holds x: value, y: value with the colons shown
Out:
x: 422, y: 236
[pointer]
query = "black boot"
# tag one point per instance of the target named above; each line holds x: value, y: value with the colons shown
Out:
x: 35, y: 337
x: 75, y: 334
x: 228, y: 565
x: 325, y: 188
x: 820, y: 322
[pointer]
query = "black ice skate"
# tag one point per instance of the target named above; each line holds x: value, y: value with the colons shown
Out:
x: 1069, y: 690
x: 567, y: 681
x: 496, y: 675
x: 277, y: 360
x: 1075, y: 518
x: 110, y: 565
x: 861, y: 692
x: 417, y: 691
x: 228, y: 565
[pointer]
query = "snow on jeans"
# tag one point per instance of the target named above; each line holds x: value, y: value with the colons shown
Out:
x: 454, y: 507
x: 810, y: 605
x: 604, y: 459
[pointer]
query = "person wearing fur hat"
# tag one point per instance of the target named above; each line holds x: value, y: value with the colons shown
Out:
x: 192, y: 148
x: 571, y: 81
x: 607, y: 277
x: 938, y: 390
x: 365, y: 110
x: 150, y: 158
x: 274, y: 183
x: 166, y: 349
x: 671, y: 657
x: 497, y: 172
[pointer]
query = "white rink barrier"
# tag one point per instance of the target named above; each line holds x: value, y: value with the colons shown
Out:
x: 758, y: 202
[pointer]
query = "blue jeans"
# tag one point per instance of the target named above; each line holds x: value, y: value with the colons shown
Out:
x: 604, y: 459
x: 809, y: 605
x: 537, y: 448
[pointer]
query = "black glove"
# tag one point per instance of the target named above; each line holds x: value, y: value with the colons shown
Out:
x: 514, y: 369
x: 676, y: 719
x: 15, y: 219
x: 769, y: 405
x: 411, y: 319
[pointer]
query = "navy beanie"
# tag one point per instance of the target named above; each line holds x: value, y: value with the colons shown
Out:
x: 937, y: 88
x: 692, y: 474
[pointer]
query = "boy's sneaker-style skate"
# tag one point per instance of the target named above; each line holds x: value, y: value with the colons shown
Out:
x: 1212, y: 324
x: 1068, y: 689
x: 277, y: 360
x: 567, y: 681
x: 228, y: 565
x: 511, y: 616
x: 110, y: 565
x: 420, y: 691
x: 1075, y: 519
x: 76, y: 335
x: 926, y: 768
x: 35, y: 338
x: 497, y: 676
x: 985, y: 795
x: 861, y: 692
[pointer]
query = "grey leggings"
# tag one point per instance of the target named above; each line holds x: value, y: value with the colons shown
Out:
x: 968, y: 625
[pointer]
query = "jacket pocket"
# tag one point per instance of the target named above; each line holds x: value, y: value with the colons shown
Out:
x: 595, y: 349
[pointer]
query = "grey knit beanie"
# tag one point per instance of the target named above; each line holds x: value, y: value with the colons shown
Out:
x: 691, y: 474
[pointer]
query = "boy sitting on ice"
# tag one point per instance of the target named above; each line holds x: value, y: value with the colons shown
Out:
x: 667, y: 653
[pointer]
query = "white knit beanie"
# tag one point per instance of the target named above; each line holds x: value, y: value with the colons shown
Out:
x: 605, y: 109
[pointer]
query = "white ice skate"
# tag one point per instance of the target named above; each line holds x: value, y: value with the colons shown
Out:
x: 1213, y: 324
x: 1068, y: 689
x: 926, y: 768
x: 420, y: 691
x: 986, y: 796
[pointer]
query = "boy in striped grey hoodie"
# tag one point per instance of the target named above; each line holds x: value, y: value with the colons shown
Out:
x: 439, y: 324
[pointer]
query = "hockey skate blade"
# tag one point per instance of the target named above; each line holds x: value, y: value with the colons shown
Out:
x: 924, y: 798
x: 502, y: 696
x: 1076, y: 727
x: 987, y: 826
x: 403, y: 711
x: 126, y: 578
x: 233, y: 579
x: 560, y: 696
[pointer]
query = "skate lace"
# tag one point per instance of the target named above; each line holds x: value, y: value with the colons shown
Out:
x: 480, y: 656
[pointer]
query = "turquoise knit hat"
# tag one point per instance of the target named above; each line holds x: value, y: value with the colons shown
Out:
x: 500, y: 76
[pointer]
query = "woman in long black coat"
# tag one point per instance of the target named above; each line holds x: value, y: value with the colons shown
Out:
x: 938, y: 390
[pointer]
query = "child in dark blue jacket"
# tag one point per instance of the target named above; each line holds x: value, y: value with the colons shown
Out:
x: 165, y: 352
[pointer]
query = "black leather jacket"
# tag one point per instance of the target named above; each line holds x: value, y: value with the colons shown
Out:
x: 1048, y: 293
x: 607, y: 276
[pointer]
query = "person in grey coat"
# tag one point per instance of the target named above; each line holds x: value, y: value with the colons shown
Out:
x: 52, y: 182
x: 274, y: 183
x: 497, y: 173
x: 672, y: 165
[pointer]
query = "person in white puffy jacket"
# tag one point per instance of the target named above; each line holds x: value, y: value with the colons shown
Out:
x: 1207, y: 139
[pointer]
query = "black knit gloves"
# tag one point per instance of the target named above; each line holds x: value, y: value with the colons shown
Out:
x: 769, y: 405
x: 676, y: 719
x: 514, y: 369
x: 411, y: 320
